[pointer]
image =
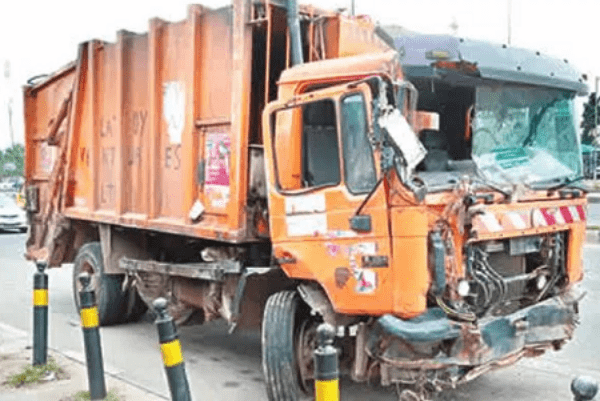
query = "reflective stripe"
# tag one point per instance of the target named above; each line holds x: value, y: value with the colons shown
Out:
x: 523, y: 219
x: 40, y: 297
x: 516, y: 220
x: 566, y: 214
x: 549, y: 217
x: 171, y: 353
x: 327, y: 390
x: 490, y: 222
x: 89, y: 317
x: 558, y: 217
x: 574, y: 213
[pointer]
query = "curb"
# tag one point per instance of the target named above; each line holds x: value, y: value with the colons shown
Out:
x: 13, y: 339
x: 110, y: 371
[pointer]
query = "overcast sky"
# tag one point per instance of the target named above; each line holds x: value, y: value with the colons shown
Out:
x: 41, y: 36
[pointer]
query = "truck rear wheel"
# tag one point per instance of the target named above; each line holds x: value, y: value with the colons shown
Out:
x: 288, y: 341
x: 110, y: 297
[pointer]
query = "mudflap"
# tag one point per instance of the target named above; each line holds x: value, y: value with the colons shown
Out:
x: 433, y: 352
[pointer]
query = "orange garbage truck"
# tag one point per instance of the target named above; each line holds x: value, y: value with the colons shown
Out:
x: 269, y: 164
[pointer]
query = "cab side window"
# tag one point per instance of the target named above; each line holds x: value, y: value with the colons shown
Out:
x: 320, y: 148
x: 359, y: 164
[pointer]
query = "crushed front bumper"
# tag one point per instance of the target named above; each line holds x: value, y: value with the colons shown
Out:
x: 434, y: 342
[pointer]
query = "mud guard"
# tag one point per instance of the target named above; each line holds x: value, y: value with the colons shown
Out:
x: 317, y: 299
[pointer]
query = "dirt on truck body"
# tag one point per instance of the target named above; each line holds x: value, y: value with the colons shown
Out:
x: 279, y: 166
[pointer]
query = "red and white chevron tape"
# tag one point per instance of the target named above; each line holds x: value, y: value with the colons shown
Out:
x: 488, y: 222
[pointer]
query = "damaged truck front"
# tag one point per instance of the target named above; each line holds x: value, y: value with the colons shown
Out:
x: 503, y: 220
x: 444, y: 253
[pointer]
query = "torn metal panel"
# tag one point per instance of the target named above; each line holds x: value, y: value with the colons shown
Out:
x: 405, y: 138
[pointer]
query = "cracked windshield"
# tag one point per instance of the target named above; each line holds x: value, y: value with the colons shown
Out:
x: 525, y: 135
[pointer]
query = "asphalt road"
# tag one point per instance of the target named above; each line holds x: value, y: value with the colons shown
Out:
x: 228, y: 367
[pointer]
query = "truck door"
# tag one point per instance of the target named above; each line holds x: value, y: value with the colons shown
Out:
x: 322, y: 167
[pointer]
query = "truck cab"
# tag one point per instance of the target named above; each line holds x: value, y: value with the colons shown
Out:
x: 446, y: 228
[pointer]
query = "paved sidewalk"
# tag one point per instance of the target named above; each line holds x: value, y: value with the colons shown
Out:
x: 15, y: 353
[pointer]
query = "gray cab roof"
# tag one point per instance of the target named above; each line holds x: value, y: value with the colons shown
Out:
x: 494, y: 61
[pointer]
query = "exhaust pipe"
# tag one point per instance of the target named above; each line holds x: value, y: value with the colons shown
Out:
x: 295, y: 35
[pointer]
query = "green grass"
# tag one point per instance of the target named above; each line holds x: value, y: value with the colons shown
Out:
x: 85, y: 395
x: 33, y: 374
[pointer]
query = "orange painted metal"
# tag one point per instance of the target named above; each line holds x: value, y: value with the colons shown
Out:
x: 333, y: 249
x: 161, y: 120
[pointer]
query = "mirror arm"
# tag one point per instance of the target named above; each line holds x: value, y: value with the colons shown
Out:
x: 369, y: 195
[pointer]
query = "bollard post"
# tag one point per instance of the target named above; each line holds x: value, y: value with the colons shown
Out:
x: 91, y: 339
x: 327, y: 386
x: 40, y: 315
x: 584, y: 388
x: 170, y: 349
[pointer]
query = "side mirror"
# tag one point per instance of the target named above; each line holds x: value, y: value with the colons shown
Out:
x: 361, y: 223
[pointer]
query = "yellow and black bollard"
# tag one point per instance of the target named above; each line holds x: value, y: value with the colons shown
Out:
x: 40, y: 315
x: 327, y: 386
x: 171, y: 353
x: 91, y: 339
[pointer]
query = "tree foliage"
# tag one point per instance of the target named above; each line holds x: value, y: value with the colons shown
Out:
x: 588, y: 124
x: 13, y: 156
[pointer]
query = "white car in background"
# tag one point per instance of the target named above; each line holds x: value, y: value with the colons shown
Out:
x: 6, y: 186
x: 12, y: 217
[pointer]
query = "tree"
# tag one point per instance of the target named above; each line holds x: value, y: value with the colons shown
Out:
x: 591, y: 108
x: 12, y: 161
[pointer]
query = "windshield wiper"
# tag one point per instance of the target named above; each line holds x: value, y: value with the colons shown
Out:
x: 480, y: 178
x: 492, y: 186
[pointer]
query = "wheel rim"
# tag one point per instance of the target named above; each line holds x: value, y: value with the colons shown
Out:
x: 306, y: 343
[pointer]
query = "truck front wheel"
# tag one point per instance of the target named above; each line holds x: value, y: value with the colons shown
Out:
x: 110, y: 297
x: 288, y: 342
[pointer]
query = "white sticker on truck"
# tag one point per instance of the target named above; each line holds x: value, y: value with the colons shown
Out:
x: 314, y: 203
x: 174, y: 109
x: 306, y: 225
x: 366, y: 281
x: 48, y: 155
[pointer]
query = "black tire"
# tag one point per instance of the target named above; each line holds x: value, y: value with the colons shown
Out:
x: 284, y: 313
x: 110, y: 298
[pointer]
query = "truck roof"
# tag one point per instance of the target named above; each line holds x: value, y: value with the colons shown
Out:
x: 419, y: 52
x: 354, y: 67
